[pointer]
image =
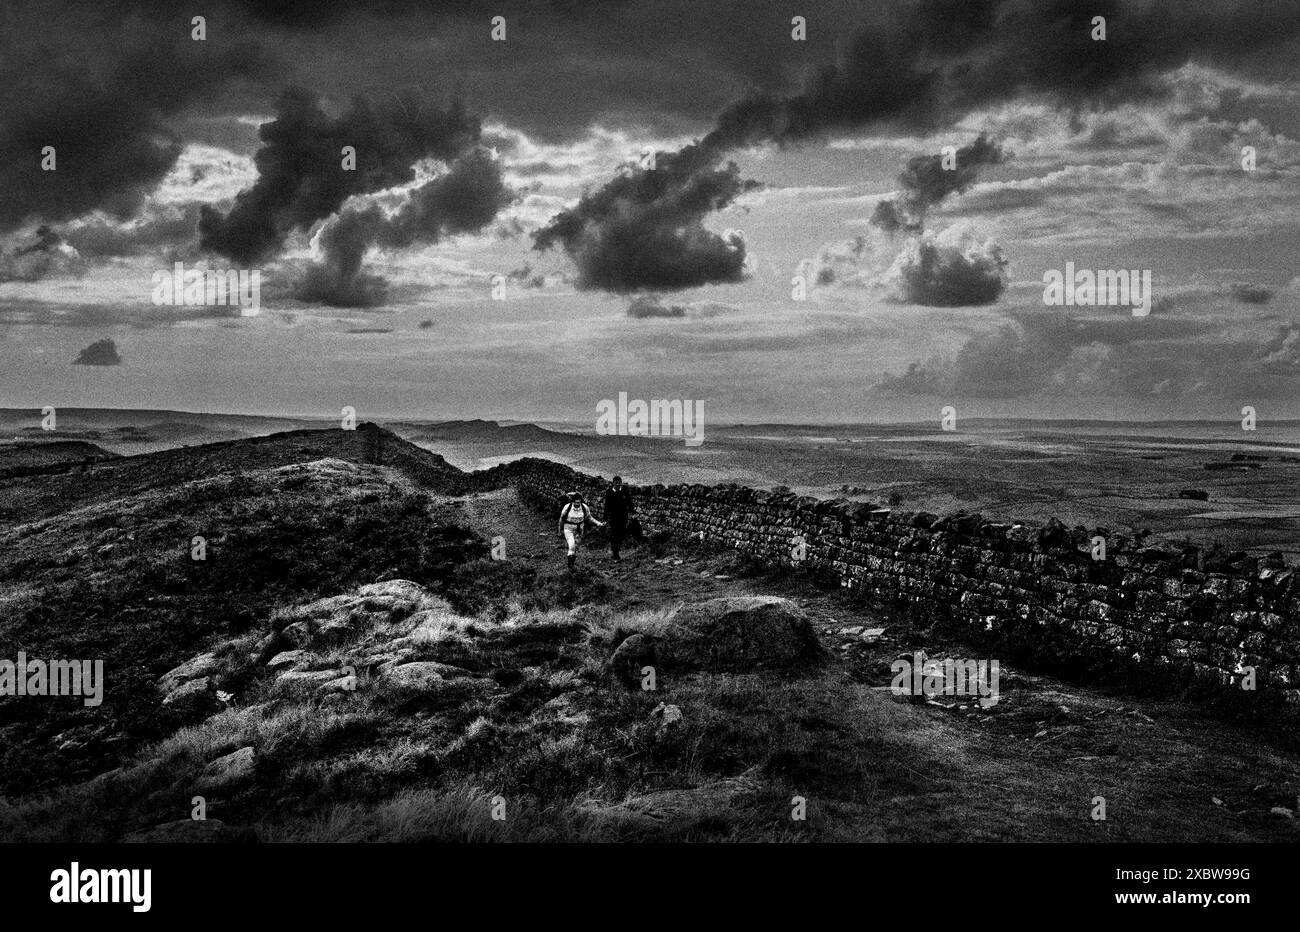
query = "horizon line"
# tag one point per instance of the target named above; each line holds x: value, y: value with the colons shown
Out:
x: 541, y: 422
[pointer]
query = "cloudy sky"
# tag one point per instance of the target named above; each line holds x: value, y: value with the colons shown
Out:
x: 799, y: 250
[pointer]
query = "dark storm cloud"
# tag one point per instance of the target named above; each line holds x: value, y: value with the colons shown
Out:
x: 644, y: 229
x: 100, y: 353
x: 300, y: 176
x: 923, y: 65
x: 925, y: 182
x: 338, y: 280
x: 952, y: 269
x: 918, y: 66
x: 319, y: 14
x: 667, y: 66
x: 105, y: 110
x: 464, y: 200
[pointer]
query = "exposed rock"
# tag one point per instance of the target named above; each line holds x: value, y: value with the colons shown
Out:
x: 298, y: 634
x: 344, y: 684
x: 192, y: 700
x: 631, y: 656
x: 738, y: 633
x: 333, y: 631
x: 734, y: 633
x: 427, y: 677
x: 228, y: 771
x: 184, y: 831
x: 291, y: 660
x: 421, y: 674
x: 338, y: 619
x: 387, y: 659
x: 195, y: 667
x: 302, y: 682
x: 675, y: 808
x: 271, y: 645
x: 392, y: 595
x: 667, y: 713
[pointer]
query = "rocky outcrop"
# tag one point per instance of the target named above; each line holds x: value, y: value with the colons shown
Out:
x: 193, y: 700
x: 188, y: 691
x: 733, y: 634
x: 229, y: 771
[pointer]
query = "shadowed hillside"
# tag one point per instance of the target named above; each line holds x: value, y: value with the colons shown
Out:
x: 26, y: 457
x: 347, y: 663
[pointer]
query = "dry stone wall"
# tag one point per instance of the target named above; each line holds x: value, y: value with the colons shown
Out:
x: 1217, y: 614
x: 1213, y: 613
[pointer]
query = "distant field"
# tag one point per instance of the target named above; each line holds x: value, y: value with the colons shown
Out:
x: 1123, y: 477
x: 1119, y: 475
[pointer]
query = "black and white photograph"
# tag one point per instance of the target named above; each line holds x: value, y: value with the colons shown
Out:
x: 650, y: 422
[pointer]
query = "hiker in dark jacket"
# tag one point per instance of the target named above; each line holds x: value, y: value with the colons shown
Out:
x: 618, y: 509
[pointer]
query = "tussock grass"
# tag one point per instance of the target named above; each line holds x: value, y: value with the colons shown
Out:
x: 553, y: 732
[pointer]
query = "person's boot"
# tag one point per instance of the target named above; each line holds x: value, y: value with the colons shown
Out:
x: 572, y: 560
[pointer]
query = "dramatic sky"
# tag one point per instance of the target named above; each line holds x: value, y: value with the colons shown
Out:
x: 798, y: 251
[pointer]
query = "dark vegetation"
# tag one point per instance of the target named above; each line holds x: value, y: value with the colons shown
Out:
x: 523, y: 707
x: 117, y: 582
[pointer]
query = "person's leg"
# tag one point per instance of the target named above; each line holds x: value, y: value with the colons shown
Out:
x: 571, y: 538
x: 616, y: 532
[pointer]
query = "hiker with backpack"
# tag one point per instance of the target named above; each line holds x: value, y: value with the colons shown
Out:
x: 574, y: 518
x: 618, y: 509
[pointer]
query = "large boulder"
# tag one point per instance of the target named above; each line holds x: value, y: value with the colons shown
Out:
x: 734, y: 634
x: 192, y: 669
x: 228, y: 771
x: 193, y: 700
x: 631, y: 656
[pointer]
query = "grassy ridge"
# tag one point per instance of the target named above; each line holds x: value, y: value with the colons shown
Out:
x: 115, y: 581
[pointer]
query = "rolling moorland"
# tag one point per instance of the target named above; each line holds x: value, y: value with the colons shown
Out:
x: 1128, y: 476
x: 347, y: 663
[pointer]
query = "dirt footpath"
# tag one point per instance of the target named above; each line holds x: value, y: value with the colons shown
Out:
x: 1037, y: 765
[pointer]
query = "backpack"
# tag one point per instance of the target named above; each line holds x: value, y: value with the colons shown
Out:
x: 567, y: 515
